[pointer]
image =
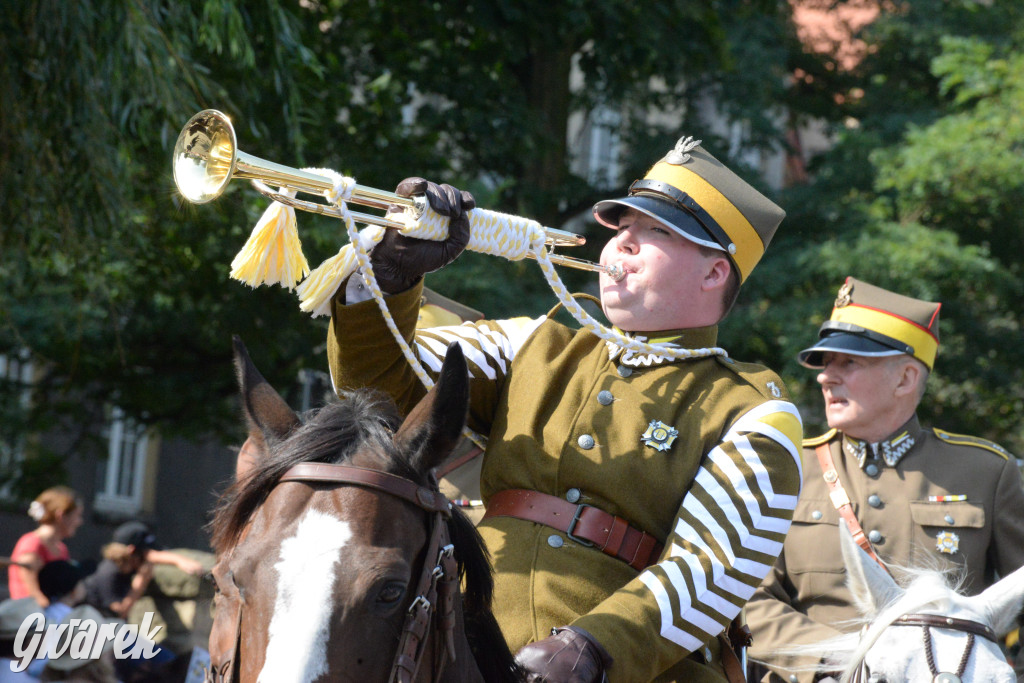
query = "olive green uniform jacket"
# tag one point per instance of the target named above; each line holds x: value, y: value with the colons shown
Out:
x: 565, y: 414
x: 910, y: 519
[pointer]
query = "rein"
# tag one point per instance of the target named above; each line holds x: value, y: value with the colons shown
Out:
x: 437, y: 586
x: 929, y: 621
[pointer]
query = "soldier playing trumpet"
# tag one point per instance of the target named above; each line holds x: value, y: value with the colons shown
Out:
x: 634, y: 501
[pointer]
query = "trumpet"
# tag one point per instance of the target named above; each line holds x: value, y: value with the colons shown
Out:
x: 206, y: 158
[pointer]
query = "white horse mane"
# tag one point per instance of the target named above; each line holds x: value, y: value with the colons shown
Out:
x: 927, y: 588
x: 931, y: 588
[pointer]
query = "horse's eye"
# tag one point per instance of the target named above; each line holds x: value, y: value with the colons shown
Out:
x: 391, y: 593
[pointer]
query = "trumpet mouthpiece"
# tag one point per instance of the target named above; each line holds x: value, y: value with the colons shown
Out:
x: 614, y: 271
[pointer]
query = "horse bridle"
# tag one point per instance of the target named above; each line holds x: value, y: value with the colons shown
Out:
x: 927, y: 622
x: 437, y: 586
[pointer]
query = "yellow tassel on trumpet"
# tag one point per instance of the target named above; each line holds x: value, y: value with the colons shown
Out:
x: 316, y: 291
x: 273, y: 252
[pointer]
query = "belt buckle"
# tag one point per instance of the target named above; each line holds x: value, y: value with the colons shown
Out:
x: 572, y: 526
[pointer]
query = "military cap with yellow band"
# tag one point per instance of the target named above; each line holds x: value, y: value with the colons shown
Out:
x: 691, y: 192
x: 871, y: 321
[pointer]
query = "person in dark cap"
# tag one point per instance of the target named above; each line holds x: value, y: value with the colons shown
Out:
x: 127, y: 568
x: 917, y: 495
x: 13, y: 614
x: 61, y: 581
x: 618, y: 482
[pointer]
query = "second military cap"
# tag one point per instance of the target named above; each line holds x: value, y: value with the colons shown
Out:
x: 871, y: 321
x: 693, y: 193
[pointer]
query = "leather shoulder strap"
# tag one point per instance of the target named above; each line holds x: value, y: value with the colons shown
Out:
x: 841, y: 500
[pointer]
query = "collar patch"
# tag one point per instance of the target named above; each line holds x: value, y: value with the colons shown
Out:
x: 891, y: 450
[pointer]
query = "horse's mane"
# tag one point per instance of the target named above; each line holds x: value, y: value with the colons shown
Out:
x: 333, y: 434
x: 493, y: 658
x: 926, y: 588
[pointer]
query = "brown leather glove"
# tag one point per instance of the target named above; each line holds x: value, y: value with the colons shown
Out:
x: 568, y: 655
x: 399, y: 261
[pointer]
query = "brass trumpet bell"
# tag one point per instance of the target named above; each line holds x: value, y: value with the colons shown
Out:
x: 206, y: 158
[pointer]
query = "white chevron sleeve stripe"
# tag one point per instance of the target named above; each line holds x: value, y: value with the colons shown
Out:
x: 438, y: 344
x: 497, y: 353
x: 762, y: 522
x: 425, y: 352
x: 767, y: 408
x: 764, y: 482
x: 697, y: 579
x: 518, y: 330
x: 668, y: 630
x: 757, y: 570
x: 718, y: 576
x: 689, y: 613
x: 748, y: 540
x: 749, y: 567
x: 438, y: 347
x: 751, y: 422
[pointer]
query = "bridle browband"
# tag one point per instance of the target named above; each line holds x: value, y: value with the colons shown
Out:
x: 435, y: 591
x: 929, y: 621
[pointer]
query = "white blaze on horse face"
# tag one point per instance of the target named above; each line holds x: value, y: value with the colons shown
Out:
x: 299, y: 627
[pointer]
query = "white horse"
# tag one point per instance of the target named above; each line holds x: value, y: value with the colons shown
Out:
x: 923, y: 630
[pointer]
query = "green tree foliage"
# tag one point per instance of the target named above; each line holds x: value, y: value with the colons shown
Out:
x: 120, y: 289
x: 917, y: 195
x: 117, y: 288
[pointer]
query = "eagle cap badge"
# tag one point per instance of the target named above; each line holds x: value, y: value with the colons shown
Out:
x: 659, y: 435
x: 680, y: 154
x: 845, y: 295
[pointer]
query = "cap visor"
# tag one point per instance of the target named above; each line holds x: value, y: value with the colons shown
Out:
x: 607, y: 213
x: 853, y: 344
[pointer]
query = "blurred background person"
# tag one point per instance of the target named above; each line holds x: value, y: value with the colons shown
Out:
x: 127, y: 568
x: 58, y: 511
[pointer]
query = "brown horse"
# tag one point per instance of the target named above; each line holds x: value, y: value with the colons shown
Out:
x: 334, y: 558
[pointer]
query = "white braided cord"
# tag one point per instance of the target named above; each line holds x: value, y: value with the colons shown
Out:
x: 491, y: 232
x: 339, y: 196
x: 609, y: 335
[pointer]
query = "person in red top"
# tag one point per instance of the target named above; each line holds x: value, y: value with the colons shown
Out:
x: 58, y: 510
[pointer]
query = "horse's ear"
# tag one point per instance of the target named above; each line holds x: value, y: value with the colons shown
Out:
x: 1002, y: 601
x: 433, y: 427
x: 266, y: 412
x: 872, y: 586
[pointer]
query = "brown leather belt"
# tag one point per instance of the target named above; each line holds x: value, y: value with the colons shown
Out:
x: 585, y: 524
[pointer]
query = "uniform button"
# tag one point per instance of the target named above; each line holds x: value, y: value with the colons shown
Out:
x: 793, y: 678
x: 572, y: 495
x: 816, y: 515
x: 605, y: 398
x: 875, y: 536
x: 586, y: 442
x: 949, y: 519
x: 555, y: 541
x: 624, y: 371
x: 874, y: 501
x: 871, y: 470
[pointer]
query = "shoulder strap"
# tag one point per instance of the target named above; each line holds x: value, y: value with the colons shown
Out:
x: 841, y: 501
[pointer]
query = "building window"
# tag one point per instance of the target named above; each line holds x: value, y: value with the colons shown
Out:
x: 604, y: 148
x: 16, y: 375
x: 120, y: 478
